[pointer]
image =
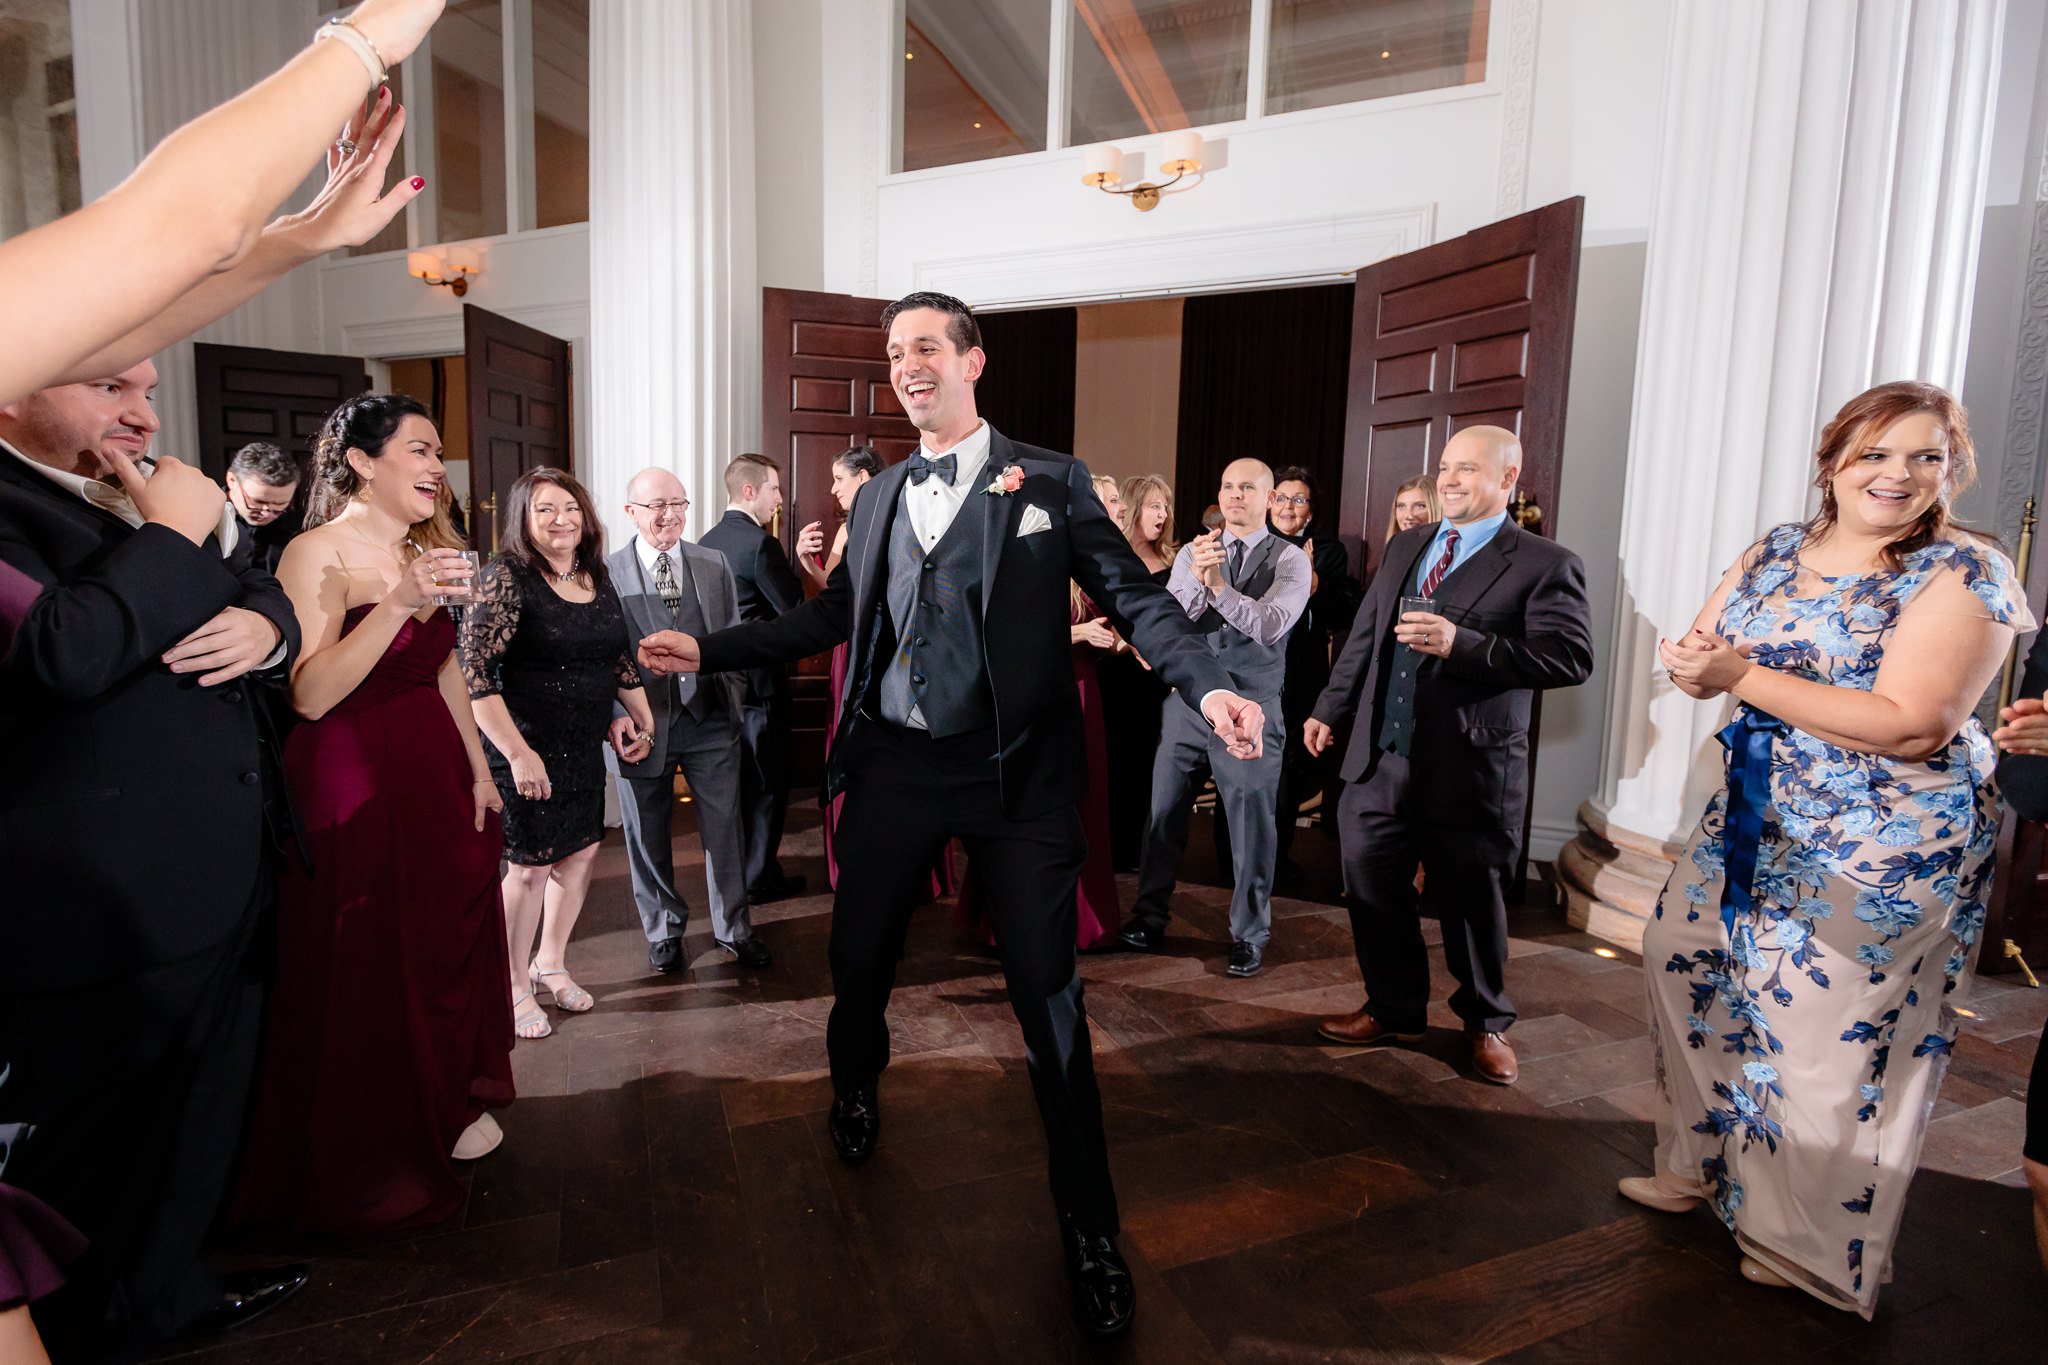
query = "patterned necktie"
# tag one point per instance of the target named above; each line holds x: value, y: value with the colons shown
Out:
x: 1236, y: 564
x: 922, y: 468
x: 665, y: 582
x: 1442, y: 566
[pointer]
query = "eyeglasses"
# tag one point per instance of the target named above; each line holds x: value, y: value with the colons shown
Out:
x: 679, y: 506
x: 1292, y: 500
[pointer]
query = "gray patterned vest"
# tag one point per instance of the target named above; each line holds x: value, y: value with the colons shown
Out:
x: 936, y: 664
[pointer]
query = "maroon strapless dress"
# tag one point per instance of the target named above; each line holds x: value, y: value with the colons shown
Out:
x: 390, y: 1024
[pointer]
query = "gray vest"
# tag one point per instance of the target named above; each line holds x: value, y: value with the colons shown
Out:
x: 937, y: 665
x: 690, y: 692
x: 1257, y: 669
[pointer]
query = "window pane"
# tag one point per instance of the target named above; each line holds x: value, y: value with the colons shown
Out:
x: 1150, y: 66
x: 974, y: 80
x: 561, y: 111
x: 1327, y: 52
x: 392, y: 238
x: 468, y: 48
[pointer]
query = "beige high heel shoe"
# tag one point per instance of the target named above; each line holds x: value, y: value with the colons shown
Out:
x: 1652, y: 1192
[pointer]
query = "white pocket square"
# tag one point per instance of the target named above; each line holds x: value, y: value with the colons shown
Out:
x: 1035, y: 520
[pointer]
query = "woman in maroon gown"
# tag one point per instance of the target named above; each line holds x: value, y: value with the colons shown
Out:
x: 390, y: 1031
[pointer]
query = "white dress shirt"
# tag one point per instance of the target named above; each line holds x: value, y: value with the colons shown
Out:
x: 934, y: 503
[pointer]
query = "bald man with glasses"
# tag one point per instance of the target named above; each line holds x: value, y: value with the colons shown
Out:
x: 666, y: 583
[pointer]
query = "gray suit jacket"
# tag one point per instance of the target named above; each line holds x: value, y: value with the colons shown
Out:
x: 717, y: 598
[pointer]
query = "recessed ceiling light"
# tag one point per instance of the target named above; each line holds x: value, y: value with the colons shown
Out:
x: 1385, y: 55
x: 1605, y: 952
x: 909, y: 55
x: 977, y: 125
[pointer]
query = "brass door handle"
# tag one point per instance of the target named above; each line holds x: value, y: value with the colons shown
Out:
x: 1527, y: 514
x: 490, y: 505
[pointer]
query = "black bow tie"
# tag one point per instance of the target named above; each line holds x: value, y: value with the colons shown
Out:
x: 922, y: 468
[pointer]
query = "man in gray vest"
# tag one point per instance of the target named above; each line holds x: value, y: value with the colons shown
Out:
x: 1246, y: 588
x: 666, y: 583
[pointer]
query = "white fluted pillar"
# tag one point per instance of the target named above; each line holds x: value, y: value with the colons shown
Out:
x: 675, y: 304
x: 1820, y: 183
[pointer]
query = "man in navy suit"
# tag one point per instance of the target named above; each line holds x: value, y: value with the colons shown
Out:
x: 961, y: 718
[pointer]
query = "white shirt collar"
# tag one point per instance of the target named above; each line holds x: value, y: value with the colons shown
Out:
x: 969, y: 454
x: 648, y: 552
x: 111, y: 497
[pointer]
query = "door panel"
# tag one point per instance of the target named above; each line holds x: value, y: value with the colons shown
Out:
x: 517, y: 381
x: 281, y: 397
x: 1477, y: 330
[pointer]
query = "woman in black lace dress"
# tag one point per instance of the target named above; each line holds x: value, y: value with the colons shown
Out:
x: 547, y: 653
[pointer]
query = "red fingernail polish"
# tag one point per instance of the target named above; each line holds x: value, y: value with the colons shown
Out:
x: 419, y: 182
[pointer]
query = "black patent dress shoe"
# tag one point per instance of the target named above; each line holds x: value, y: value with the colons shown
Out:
x: 783, y: 890
x: 247, y: 1295
x: 1103, y: 1295
x: 855, y: 1122
x: 665, y: 954
x: 1141, y: 936
x: 751, y: 952
x: 1245, y: 959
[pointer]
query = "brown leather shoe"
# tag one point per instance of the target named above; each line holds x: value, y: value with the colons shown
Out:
x: 1360, y: 1029
x: 1492, y: 1058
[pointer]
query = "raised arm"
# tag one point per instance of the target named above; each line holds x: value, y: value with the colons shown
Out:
x: 809, y: 628
x: 195, y: 207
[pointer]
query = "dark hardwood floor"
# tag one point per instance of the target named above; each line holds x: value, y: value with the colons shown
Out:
x: 666, y: 1191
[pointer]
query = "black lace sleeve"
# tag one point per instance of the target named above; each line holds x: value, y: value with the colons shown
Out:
x: 628, y: 671
x: 487, y: 629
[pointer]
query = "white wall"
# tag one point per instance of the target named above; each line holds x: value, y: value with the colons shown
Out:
x: 789, y: 157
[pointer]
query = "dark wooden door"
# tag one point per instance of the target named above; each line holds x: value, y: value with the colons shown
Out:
x: 249, y: 394
x: 824, y: 387
x: 1476, y: 331
x: 517, y: 381
x: 1473, y: 331
x: 2016, y: 925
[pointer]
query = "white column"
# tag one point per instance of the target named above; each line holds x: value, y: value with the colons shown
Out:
x: 675, y: 304
x: 1820, y: 183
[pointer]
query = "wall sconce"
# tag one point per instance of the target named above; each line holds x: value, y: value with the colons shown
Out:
x: 451, y: 266
x: 1102, y: 167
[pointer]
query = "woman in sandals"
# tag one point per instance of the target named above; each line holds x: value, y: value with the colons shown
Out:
x: 546, y: 651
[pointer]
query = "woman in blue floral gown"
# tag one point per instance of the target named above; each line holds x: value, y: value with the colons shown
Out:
x: 1806, y: 948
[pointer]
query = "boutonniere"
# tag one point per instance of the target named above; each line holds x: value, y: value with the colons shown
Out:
x: 1009, y: 481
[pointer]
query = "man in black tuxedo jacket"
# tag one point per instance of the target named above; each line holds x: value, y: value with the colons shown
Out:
x: 768, y: 587
x: 263, y: 486
x: 1437, y: 770
x: 960, y: 718
x: 132, y: 809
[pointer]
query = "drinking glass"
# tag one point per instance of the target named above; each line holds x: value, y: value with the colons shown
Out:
x: 457, y: 591
x: 1427, y: 604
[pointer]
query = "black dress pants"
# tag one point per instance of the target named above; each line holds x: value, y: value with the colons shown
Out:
x: 767, y: 760
x: 906, y: 795
x: 137, y: 1090
x: 1467, y: 874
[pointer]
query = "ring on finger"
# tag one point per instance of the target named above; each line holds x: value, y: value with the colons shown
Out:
x: 345, y: 145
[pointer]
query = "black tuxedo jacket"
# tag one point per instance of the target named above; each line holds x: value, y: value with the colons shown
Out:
x: 767, y: 585
x: 131, y: 798
x: 1042, y: 755
x: 1519, y: 604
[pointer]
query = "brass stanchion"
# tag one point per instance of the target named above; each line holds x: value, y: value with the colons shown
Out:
x: 2025, y: 561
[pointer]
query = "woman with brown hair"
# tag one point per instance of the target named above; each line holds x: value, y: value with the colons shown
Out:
x: 1802, y: 957
x: 390, y: 1032
x: 1415, y: 504
x: 1131, y: 695
x: 546, y: 653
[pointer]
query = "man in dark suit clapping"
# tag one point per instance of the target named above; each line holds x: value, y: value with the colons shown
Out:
x: 1437, y: 770
x: 768, y: 587
x: 960, y: 718
x: 132, y: 807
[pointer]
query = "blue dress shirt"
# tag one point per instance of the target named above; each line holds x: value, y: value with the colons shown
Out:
x: 1471, y: 539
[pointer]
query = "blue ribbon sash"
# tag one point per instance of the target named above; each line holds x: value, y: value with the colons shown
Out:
x: 1748, y: 741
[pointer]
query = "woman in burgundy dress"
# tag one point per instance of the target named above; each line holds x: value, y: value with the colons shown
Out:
x: 390, y: 1032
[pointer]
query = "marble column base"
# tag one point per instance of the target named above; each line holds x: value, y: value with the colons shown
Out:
x: 1612, y: 878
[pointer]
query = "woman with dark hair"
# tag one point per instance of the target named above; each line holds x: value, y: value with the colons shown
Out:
x: 546, y: 652
x: 390, y: 1032
x: 850, y: 469
x: 1803, y: 955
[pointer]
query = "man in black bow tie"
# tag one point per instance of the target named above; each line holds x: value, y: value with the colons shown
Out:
x: 960, y: 718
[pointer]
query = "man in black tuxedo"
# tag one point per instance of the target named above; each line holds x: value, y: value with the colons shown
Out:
x: 768, y: 587
x: 960, y: 718
x: 1437, y: 770
x: 132, y: 809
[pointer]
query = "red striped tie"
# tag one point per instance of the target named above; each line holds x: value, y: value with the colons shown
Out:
x: 1442, y: 566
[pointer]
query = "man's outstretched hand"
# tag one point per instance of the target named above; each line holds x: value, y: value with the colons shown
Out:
x: 1240, y: 724
x: 669, y: 651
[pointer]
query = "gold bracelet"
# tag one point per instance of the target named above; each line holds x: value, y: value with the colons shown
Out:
x: 358, y: 42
